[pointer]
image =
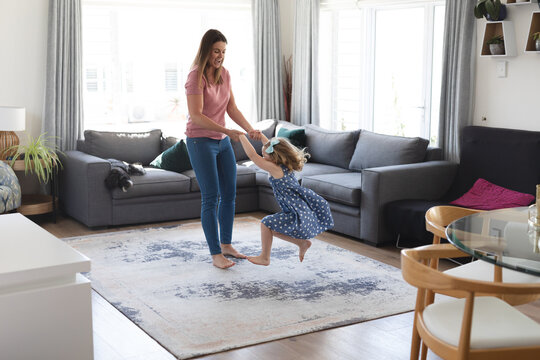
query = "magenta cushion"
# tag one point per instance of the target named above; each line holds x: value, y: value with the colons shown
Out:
x: 487, y: 196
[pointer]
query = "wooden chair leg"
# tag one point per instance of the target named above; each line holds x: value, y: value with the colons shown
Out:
x: 415, y: 341
x: 415, y: 345
x: 423, y: 355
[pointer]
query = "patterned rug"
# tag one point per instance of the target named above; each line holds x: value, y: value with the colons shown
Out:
x: 163, y: 280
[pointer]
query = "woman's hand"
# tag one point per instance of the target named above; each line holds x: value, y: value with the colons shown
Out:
x: 255, y: 134
x: 234, y: 134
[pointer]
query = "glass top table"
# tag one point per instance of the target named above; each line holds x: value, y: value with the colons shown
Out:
x: 501, y: 237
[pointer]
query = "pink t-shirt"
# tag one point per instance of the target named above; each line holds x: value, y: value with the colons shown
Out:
x: 215, y: 100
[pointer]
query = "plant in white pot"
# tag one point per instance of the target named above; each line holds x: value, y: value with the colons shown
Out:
x: 536, y: 38
x: 496, y: 45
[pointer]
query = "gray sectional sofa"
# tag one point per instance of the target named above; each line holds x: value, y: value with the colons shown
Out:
x: 358, y: 172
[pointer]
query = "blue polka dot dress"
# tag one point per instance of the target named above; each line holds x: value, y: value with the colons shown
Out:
x: 304, y: 214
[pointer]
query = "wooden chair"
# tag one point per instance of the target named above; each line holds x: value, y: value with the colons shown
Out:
x: 437, y: 219
x: 473, y: 327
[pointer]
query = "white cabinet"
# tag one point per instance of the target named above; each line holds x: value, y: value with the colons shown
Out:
x: 45, y: 303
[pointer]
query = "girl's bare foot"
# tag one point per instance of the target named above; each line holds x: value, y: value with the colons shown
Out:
x: 259, y: 260
x: 227, y: 249
x: 304, y: 246
x: 221, y: 261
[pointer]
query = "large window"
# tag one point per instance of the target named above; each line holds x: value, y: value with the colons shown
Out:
x: 383, y: 70
x: 137, y: 54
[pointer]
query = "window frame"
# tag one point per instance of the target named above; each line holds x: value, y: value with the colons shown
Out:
x: 368, y: 19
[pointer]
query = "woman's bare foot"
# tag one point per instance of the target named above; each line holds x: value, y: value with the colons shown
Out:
x: 305, y: 245
x: 227, y: 249
x: 259, y: 260
x: 221, y: 261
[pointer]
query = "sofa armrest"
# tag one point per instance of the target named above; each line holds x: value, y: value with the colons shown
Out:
x: 82, y: 188
x: 425, y: 181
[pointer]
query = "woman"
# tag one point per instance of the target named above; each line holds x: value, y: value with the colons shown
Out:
x: 209, y: 96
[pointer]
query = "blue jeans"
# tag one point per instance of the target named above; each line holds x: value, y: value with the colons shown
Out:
x: 215, y: 168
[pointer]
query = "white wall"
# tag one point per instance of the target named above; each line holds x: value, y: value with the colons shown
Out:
x: 506, y: 102
x: 23, y: 57
x: 513, y: 101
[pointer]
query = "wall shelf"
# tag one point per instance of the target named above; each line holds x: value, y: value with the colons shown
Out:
x: 504, y: 28
x: 516, y: 2
x: 535, y: 27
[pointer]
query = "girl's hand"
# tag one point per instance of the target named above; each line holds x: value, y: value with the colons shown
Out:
x: 234, y: 134
x: 255, y: 134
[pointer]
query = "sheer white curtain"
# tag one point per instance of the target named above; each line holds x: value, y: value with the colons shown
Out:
x: 268, y: 60
x: 305, y: 88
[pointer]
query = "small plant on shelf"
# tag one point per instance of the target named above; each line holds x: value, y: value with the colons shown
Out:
x: 496, y: 45
x: 39, y: 157
x: 497, y: 39
x: 536, y: 37
x: 490, y: 9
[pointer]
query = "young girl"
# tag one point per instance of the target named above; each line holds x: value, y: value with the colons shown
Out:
x: 304, y: 214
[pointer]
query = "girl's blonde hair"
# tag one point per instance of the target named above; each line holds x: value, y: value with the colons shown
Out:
x: 287, y: 154
x: 211, y: 37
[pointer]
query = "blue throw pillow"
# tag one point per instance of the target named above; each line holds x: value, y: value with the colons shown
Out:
x: 297, y: 137
x: 175, y: 158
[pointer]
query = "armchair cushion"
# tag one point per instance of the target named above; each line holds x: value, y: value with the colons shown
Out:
x: 487, y: 196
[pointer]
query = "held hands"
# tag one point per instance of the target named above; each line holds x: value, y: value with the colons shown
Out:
x: 255, y: 134
x: 234, y: 134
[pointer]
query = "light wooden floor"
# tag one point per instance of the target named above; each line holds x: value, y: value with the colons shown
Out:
x: 116, y: 337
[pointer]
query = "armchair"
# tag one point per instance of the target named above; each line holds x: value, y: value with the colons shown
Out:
x: 10, y: 190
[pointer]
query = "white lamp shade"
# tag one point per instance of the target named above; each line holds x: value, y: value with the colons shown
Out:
x: 12, y: 118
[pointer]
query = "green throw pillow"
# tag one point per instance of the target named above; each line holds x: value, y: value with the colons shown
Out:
x: 175, y: 158
x: 297, y: 137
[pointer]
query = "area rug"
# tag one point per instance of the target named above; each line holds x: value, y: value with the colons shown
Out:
x: 163, y: 280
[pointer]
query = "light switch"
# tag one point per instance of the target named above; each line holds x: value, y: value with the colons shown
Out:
x: 501, y: 69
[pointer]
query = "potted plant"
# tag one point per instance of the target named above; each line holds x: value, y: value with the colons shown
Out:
x: 536, y: 38
x: 492, y: 10
x: 496, y: 45
x: 40, y: 157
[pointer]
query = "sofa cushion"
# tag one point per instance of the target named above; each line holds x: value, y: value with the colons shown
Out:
x: 487, y: 196
x: 245, y: 177
x: 308, y: 170
x: 330, y: 147
x: 344, y: 188
x: 297, y: 137
x: 155, y: 182
x: 131, y: 147
x: 175, y: 158
x: 374, y: 150
x: 267, y: 127
x: 167, y: 142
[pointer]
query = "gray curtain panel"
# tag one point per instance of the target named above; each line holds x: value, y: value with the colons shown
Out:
x: 305, y: 88
x: 458, y: 75
x: 63, y: 112
x: 268, y: 62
